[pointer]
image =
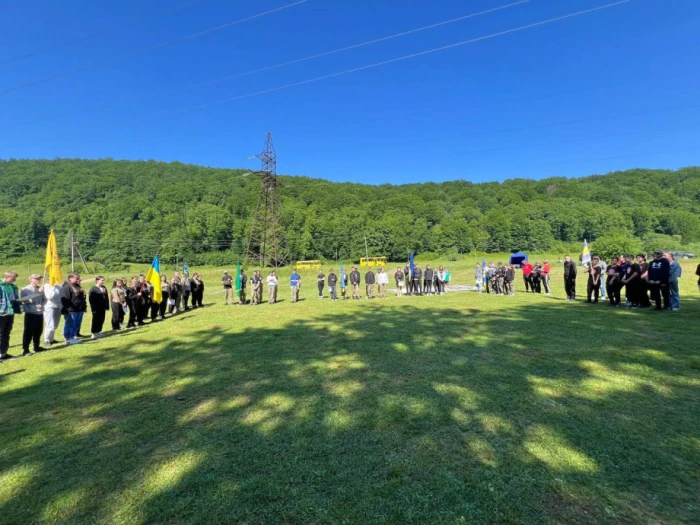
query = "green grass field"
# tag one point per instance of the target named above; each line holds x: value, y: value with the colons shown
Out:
x: 465, y: 408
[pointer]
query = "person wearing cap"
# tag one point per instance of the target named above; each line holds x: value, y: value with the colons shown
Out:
x: 593, y: 271
x: 659, y: 274
x: 9, y: 307
x: 32, y: 297
x: 227, y: 283
x: 52, y: 312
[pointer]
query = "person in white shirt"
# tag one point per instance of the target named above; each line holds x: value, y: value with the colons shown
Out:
x: 382, y: 281
x: 272, y: 288
x: 52, y: 312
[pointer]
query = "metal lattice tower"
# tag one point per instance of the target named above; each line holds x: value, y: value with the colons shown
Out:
x: 265, y: 244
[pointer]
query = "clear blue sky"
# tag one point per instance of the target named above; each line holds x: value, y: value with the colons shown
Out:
x: 613, y: 89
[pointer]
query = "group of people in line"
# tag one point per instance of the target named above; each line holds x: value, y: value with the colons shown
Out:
x: 643, y: 282
x: 43, y: 305
x: 416, y: 282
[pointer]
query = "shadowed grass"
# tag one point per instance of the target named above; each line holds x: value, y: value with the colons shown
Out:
x: 462, y: 408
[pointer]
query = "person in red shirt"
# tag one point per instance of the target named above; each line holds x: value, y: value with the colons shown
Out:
x: 546, y: 268
x: 527, y: 273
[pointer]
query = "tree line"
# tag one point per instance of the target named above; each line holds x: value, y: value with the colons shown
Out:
x: 128, y: 211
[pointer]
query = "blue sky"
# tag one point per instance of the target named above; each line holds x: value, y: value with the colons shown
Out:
x: 612, y: 89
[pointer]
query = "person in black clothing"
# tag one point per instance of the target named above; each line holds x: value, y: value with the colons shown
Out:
x: 73, y: 307
x: 186, y: 292
x: 132, y: 301
x: 198, y: 290
x: 155, y: 306
x: 416, y: 278
x: 593, y: 271
x: 143, y: 300
x: 500, y: 279
x: 697, y: 272
x: 508, y: 280
x: 659, y: 275
x: 321, y: 281
x: 174, y: 290
x: 644, y: 281
x: 369, y: 284
x: 428, y: 280
x: 631, y: 280
x: 332, y: 285
x: 407, y: 279
x: 570, y: 278
x: 613, y: 282
x: 355, y: 282
x: 242, y: 292
x: 117, y: 298
x: 400, y: 278
x: 165, y: 291
x: 98, y: 297
x: 536, y: 278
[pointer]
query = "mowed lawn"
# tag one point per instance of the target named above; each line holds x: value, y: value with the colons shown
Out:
x: 454, y: 409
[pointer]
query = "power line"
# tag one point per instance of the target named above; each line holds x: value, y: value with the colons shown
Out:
x: 348, y: 48
x: 148, y: 49
x: 289, y: 63
x: 390, y: 61
x: 98, y: 33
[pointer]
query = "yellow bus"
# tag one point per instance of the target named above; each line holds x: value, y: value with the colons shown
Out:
x: 301, y: 265
x: 373, y: 261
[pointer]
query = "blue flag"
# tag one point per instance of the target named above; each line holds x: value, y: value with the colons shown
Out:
x: 483, y: 270
x: 342, y: 276
x: 411, y: 265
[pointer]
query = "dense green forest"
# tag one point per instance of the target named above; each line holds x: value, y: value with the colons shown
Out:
x: 127, y: 211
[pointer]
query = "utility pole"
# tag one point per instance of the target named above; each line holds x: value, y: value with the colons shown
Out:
x: 366, y: 250
x: 72, y: 251
x: 265, y: 228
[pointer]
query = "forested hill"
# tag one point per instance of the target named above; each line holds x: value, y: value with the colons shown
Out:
x: 121, y: 210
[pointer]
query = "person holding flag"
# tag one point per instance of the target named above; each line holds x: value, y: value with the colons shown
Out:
x: 53, y: 278
x: 240, y: 291
x: 343, y: 282
x: 150, y: 291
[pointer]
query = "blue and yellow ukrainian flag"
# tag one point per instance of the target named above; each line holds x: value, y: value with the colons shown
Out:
x: 153, y: 277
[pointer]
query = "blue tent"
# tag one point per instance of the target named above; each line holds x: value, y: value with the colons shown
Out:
x: 518, y: 258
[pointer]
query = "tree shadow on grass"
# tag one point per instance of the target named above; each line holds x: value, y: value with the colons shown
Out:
x: 547, y: 413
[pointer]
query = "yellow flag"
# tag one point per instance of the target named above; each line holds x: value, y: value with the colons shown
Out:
x: 52, y: 266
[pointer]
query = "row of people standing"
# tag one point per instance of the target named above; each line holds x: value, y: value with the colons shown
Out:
x: 43, y: 305
x: 644, y: 282
x: 499, y: 279
x: 341, y: 286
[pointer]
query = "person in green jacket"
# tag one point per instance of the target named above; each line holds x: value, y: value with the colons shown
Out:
x: 9, y: 307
